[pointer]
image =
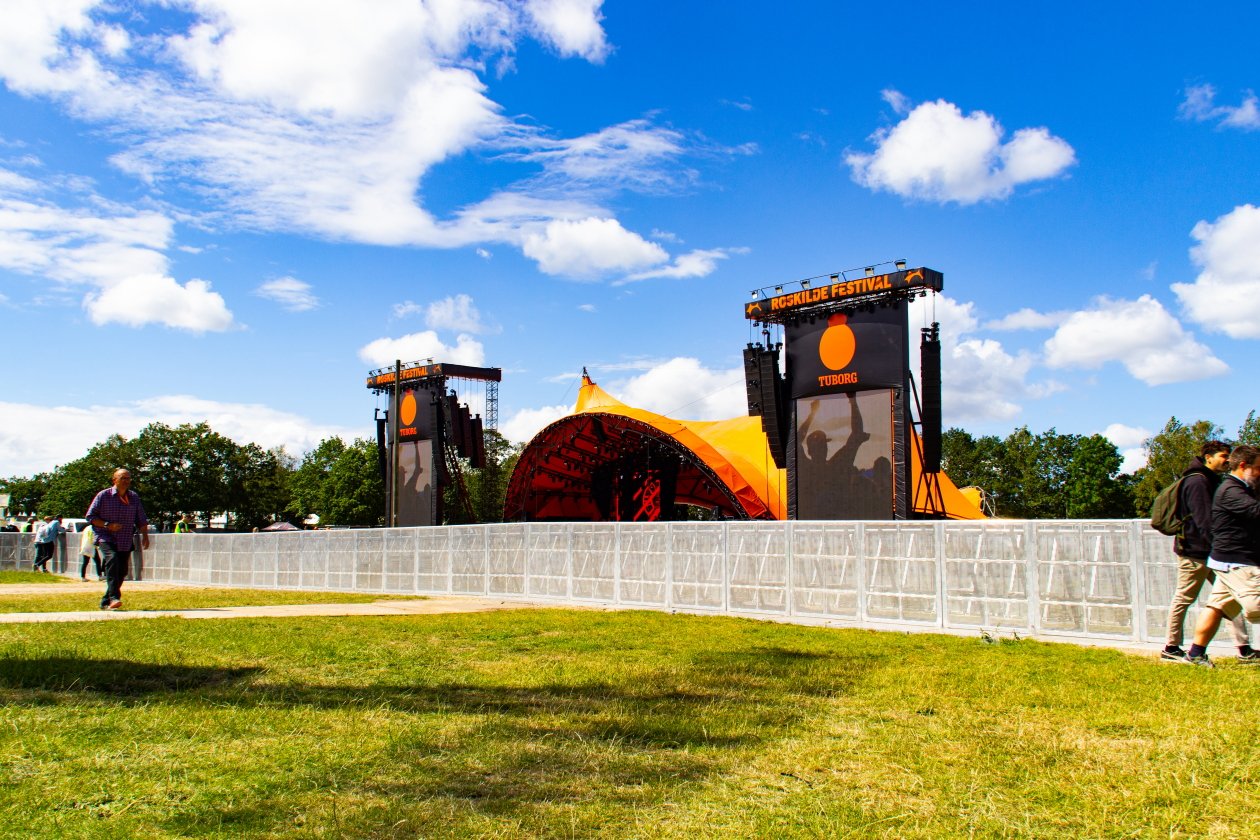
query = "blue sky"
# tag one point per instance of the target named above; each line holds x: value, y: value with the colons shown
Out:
x: 230, y: 211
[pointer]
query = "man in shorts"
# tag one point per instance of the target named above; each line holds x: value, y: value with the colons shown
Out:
x: 1235, y: 551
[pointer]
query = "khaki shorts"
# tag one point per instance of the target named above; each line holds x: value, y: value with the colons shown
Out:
x: 1238, y: 589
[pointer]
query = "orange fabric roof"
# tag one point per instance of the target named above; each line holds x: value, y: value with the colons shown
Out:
x: 737, y: 452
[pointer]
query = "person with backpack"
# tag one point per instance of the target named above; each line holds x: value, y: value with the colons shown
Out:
x: 1193, y: 506
x: 1235, y: 552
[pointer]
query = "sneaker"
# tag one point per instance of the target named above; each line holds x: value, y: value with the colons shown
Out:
x: 114, y: 605
x: 1250, y: 658
x: 1201, y: 659
x: 1175, y: 655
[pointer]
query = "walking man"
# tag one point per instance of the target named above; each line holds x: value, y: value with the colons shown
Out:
x: 1202, y: 477
x: 1235, y: 551
x: 115, y: 515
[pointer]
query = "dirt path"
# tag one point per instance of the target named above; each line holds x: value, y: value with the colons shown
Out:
x: 431, y: 605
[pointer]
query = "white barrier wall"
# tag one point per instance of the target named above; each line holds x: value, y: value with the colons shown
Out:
x: 1107, y: 580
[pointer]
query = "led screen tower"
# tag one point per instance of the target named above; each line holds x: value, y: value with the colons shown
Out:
x: 425, y: 432
x: 843, y: 402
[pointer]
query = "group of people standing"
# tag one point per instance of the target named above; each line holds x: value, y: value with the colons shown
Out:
x: 1220, y: 544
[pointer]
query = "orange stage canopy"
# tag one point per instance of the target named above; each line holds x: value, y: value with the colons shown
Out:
x: 721, y: 464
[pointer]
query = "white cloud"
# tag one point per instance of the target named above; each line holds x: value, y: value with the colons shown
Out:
x: 698, y: 263
x: 1200, y: 106
x: 423, y: 345
x: 524, y: 424
x: 589, y: 248
x: 324, y: 118
x: 35, y: 438
x: 681, y: 388
x: 1140, y: 334
x: 289, y: 292
x: 117, y: 252
x: 1225, y: 297
x: 1027, y: 319
x: 156, y: 299
x: 484, y: 254
x: 938, y: 154
x: 684, y: 389
x: 896, y: 100
x: 628, y: 156
x: 980, y: 379
x: 407, y: 308
x: 455, y: 313
x: 586, y: 307
x: 572, y: 27
x: 1129, y: 440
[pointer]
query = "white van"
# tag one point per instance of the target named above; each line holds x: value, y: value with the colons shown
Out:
x: 73, y: 526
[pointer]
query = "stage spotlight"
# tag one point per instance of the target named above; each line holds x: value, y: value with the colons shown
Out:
x: 753, y: 293
x: 804, y: 284
x: 870, y: 270
x: 778, y: 289
x: 835, y: 278
x: 900, y: 264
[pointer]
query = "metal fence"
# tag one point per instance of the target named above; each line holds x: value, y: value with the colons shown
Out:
x: 1107, y: 581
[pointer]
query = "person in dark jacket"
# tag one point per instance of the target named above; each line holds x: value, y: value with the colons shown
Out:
x: 1235, y: 552
x: 1202, y: 477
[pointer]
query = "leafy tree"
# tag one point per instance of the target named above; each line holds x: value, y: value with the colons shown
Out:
x: 1041, y: 476
x: 1092, y: 489
x: 182, y: 470
x: 354, y: 492
x: 257, y: 485
x: 26, y: 495
x: 1249, y: 431
x: 968, y: 461
x: 71, y: 487
x: 1168, y: 453
x: 306, y: 484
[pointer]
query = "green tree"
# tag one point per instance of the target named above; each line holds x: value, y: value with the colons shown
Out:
x: 1041, y: 476
x: 26, y: 495
x: 1249, y: 431
x: 182, y: 470
x: 306, y: 484
x: 1094, y: 489
x: 354, y: 492
x: 257, y: 485
x: 72, y: 487
x: 1167, y: 454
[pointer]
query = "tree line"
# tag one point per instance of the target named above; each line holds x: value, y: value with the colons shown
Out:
x: 1065, y: 476
x: 193, y: 469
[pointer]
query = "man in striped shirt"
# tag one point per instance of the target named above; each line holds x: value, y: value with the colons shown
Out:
x: 116, y: 514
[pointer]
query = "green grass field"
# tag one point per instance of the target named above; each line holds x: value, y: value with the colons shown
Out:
x: 554, y: 723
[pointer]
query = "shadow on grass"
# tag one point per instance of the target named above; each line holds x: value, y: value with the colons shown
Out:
x: 118, y: 678
x: 522, y: 752
x: 478, y: 748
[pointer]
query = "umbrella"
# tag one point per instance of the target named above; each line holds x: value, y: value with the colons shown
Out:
x: 281, y: 526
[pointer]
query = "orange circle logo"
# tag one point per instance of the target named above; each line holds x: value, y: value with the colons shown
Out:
x: 407, y: 411
x: 838, y: 344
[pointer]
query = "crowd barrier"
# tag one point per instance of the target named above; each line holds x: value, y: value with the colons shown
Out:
x: 1105, y: 581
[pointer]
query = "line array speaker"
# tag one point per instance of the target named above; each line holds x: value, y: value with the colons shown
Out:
x: 773, y: 406
x: 930, y: 379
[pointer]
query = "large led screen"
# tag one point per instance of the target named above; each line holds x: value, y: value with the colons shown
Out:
x: 844, y: 456
x: 415, y: 485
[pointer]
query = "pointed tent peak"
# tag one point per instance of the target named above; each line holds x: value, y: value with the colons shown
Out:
x: 591, y: 397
